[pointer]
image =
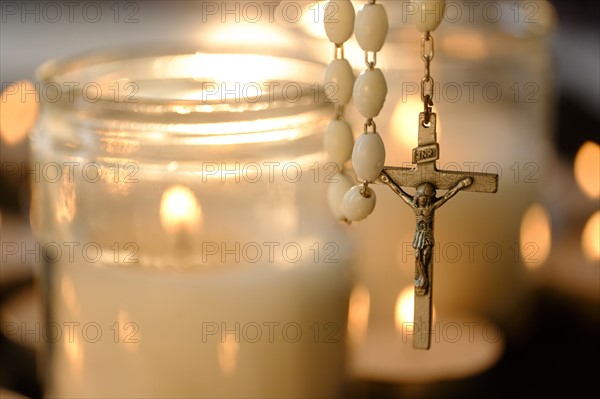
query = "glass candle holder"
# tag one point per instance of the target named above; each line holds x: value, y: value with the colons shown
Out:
x: 179, y: 201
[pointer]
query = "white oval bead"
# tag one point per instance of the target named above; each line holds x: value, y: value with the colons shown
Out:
x: 335, y: 194
x: 338, y: 19
x: 368, y: 156
x: 369, y: 92
x: 338, y: 141
x: 371, y: 27
x: 426, y: 15
x: 357, y: 207
x: 339, y: 80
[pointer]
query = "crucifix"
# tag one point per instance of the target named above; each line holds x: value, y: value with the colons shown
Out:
x: 426, y: 179
x: 368, y: 153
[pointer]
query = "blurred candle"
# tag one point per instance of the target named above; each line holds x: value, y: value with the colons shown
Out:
x: 587, y: 169
x: 205, y: 260
x: 535, y: 238
x: 590, y: 240
x: 180, y: 215
x: 463, y: 345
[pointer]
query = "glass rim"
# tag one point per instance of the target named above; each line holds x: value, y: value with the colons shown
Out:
x: 119, y: 80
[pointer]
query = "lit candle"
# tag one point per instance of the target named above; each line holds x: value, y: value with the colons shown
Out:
x: 462, y: 345
x: 180, y: 215
x: 205, y: 262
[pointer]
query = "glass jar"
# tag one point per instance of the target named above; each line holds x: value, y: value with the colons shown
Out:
x: 179, y: 201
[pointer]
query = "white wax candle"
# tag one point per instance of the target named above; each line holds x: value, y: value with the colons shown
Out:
x: 249, y: 332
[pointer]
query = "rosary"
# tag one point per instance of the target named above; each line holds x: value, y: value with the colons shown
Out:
x: 350, y: 202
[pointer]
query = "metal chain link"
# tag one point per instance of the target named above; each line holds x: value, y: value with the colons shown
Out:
x: 370, y: 123
x: 338, y: 51
x: 427, y: 83
x: 371, y: 64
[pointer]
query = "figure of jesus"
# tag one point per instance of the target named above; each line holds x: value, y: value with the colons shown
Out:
x: 424, y: 203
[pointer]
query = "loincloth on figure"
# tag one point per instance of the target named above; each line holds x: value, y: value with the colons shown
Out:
x: 423, y: 234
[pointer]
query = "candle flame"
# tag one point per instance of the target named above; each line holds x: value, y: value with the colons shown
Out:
x: 405, y: 308
x: 223, y: 76
x: 246, y: 33
x: 587, y: 169
x: 313, y: 15
x: 180, y: 210
x: 590, y: 239
x: 535, y: 236
x: 358, y: 314
x: 404, y: 123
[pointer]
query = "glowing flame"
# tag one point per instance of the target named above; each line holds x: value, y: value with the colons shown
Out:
x: 180, y: 210
x: 18, y: 111
x: 404, y: 122
x: 313, y: 16
x: 535, y: 237
x: 227, y: 355
x: 224, y: 77
x: 587, y: 169
x: 405, y: 308
x: 590, y: 240
x: 358, y: 314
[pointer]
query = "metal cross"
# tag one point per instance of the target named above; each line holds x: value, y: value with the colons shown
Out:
x: 426, y: 179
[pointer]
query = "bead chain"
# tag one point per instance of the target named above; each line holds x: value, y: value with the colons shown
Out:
x: 338, y: 140
x: 370, y: 90
x: 427, y: 17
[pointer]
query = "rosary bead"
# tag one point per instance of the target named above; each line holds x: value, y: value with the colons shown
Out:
x: 335, y: 193
x: 339, y: 20
x: 368, y: 156
x: 369, y: 92
x: 427, y: 15
x: 338, y: 141
x: 339, y: 80
x: 371, y: 27
x: 357, y: 206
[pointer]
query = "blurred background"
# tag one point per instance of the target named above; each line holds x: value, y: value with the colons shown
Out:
x: 540, y: 285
